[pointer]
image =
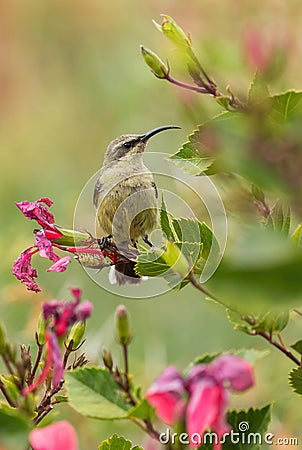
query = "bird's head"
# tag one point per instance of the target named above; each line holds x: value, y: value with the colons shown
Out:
x: 131, y: 144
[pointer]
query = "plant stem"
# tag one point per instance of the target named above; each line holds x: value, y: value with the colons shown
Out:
x: 280, y: 347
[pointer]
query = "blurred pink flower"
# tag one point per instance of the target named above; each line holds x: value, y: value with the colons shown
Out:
x: 57, y: 436
x: 64, y: 314
x: 202, y: 396
x: 166, y: 395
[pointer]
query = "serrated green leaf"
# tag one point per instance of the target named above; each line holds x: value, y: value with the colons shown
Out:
x: 190, y: 160
x: 151, y: 265
x: 93, y: 393
x: 143, y: 411
x: 258, y: 91
x: 165, y: 221
x: 254, y: 421
x: 116, y: 442
x: 295, y: 380
x: 14, y: 428
x: 297, y: 346
x: 286, y: 105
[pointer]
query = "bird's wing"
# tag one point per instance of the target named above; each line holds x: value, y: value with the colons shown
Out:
x: 96, y: 192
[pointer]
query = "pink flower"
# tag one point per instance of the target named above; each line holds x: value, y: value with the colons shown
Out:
x: 202, y: 396
x: 43, y: 243
x: 166, y: 395
x: 57, y: 436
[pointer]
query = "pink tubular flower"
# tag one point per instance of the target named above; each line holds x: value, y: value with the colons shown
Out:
x: 57, y: 436
x: 43, y: 243
x: 202, y: 397
x: 166, y: 395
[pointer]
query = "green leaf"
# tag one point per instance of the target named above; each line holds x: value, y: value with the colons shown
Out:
x: 258, y: 91
x: 165, y: 221
x: 296, y: 237
x: 150, y: 264
x: 224, y: 102
x: 295, y: 380
x: 297, y: 346
x: 286, y: 105
x: 251, y: 421
x: 14, y: 429
x: 273, y: 322
x: 238, y: 322
x: 93, y: 393
x: 143, y: 411
x: 279, y: 219
x: 116, y: 442
x: 190, y: 160
x: 250, y: 354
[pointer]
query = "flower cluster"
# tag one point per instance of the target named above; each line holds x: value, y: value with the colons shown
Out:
x: 43, y: 243
x: 50, y: 238
x: 200, y: 398
x: 59, y: 317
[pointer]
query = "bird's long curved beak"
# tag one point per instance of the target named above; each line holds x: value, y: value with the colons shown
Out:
x: 149, y: 134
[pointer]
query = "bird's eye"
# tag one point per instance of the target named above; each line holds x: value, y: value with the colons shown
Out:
x: 127, y: 144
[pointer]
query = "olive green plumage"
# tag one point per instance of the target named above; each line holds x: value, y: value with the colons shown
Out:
x: 125, y: 197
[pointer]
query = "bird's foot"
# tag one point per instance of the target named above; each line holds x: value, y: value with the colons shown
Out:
x: 105, y: 241
x: 146, y: 240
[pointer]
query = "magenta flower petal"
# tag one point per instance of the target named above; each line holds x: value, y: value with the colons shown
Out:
x: 57, y: 361
x: 233, y: 370
x: 45, y: 246
x: 206, y: 409
x: 77, y: 293
x: 37, y: 211
x: 166, y: 395
x: 84, y: 310
x: 57, y: 436
x: 24, y: 271
x: 60, y: 265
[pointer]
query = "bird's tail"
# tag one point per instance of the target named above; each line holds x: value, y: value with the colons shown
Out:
x: 124, y: 273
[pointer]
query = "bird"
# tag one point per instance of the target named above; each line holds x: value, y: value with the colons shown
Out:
x: 125, y: 197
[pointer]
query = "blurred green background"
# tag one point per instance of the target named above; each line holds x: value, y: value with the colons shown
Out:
x: 72, y: 79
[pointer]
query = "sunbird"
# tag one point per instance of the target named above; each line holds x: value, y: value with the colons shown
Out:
x: 125, y: 197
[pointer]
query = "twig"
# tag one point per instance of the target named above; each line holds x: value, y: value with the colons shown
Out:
x: 276, y: 344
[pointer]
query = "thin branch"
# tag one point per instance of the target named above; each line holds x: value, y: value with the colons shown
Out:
x: 276, y: 344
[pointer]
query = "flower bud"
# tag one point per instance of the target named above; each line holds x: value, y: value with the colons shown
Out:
x: 2, y: 339
x: 123, y: 330
x: 173, y: 32
x: 76, y: 334
x: 176, y: 259
x: 107, y: 359
x: 41, y: 329
x: 157, y: 65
